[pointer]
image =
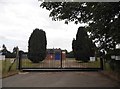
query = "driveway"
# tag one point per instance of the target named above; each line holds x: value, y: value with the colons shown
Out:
x: 58, y: 79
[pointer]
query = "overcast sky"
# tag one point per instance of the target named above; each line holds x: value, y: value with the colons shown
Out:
x: 18, y: 19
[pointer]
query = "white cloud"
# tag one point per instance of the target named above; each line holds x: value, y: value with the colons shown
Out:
x: 18, y: 18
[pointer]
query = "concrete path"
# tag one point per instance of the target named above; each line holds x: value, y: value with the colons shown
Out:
x: 59, y: 79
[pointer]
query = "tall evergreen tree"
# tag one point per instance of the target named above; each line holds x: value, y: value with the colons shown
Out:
x: 37, y: 46
x: 83, y: 47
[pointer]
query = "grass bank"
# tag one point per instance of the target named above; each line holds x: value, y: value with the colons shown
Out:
x: 8, y: 68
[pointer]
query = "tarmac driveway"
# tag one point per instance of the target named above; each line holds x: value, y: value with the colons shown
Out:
x: 58, y: 79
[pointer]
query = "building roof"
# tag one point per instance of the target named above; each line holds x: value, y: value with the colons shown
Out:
x: 51, y: 51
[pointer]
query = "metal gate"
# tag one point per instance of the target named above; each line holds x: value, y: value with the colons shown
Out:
x: 68, y: 64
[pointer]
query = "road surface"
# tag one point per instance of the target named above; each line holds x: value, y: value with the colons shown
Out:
x: 59, y: 79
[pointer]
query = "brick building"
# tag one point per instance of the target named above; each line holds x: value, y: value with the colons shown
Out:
x: 56, y: 54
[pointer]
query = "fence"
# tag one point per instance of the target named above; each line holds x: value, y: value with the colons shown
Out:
x: 9, y: 66
x: 68, y: 64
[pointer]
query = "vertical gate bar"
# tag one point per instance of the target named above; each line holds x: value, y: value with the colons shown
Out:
x: 67, y: 63
x: 78, y: 63
x: 53, y: 63
x: 42, y: 63
x: 61, y: 59
x: 26, y: 62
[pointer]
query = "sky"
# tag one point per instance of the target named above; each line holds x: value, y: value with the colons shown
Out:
x: 18, y: 19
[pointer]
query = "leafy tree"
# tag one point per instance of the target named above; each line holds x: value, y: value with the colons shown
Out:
x: 4, y: 50
x: 83, y: 47
x: 70, y: 54
x: 7, y: 53
x: 103, y: 19
x: 15, y: 50
x: 37, y: 46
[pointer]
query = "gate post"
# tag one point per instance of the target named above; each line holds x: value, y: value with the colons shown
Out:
x: 19, y: 60
x: 101, y: 63
x: 17, y: 57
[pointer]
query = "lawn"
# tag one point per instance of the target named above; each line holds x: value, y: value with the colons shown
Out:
x: 90, y: 64
x: 43, y: 64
